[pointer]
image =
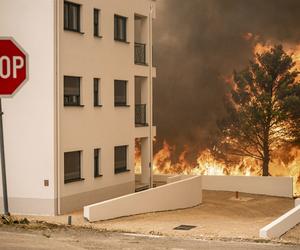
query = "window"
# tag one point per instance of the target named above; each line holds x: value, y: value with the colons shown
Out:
x: 71, y: 91
x: 120, y: 159
x: 72, y: 166
x: 120, y: 93
x: 96, y: 22
x: 71, y: 16
x: 97, y: 162
x: 96, y: 92
x: 120, y: 28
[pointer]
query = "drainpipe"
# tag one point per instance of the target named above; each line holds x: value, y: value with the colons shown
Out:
x: 56, y: 103
x: 150, y: 96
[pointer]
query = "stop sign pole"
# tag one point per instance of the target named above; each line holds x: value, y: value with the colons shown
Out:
x: 13, y: 74
x: 3, y: 167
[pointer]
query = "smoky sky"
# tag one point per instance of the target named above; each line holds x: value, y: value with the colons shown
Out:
x: 197, y: 43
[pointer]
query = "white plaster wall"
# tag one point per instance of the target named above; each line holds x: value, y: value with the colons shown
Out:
x: 281, y: 225
x: 175, y: 195
x: 29, y: 115
x: 274, y: 186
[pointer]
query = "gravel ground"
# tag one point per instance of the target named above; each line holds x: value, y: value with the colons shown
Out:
x: 220, y: 215
x: 293, y: 235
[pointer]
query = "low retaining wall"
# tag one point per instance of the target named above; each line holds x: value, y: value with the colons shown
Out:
x: 174, y: 178
x: 297, y: 202
x: 266, y: 185
x: 156, y: 178
x: 181, y: 194
x: 281, y: 225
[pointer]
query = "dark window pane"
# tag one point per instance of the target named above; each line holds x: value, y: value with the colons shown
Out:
x: 96, y: 92
x: 116, y: 27
x: 71, y: 91
x: 72, y: 166
x: 120, y: 28
x: 120, y: 93
x: 96, y: 22
x: 71, y: 16
x: 120, y: 159
x: 66, y: 15
x: 96, y: 162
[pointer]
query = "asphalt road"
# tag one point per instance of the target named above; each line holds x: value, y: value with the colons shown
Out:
x: 67, y: 239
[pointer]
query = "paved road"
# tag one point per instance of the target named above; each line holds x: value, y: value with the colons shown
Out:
x: 13, y: 239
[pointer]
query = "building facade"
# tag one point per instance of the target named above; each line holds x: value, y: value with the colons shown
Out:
x: 70, y: 132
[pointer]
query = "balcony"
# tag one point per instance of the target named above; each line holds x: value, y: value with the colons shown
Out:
x: 140, y: 115
x: 140, y: 53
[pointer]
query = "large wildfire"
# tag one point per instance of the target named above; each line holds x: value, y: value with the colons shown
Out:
x: 285, y: 161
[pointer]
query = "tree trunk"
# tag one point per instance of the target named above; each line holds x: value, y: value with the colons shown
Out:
x: 266, y: 154
x: 265, y: 166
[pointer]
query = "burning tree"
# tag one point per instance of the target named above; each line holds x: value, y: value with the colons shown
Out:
x: 263, y: 108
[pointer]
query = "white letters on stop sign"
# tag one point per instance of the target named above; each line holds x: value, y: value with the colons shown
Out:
x: 10, y: 66
x: 7, y: 70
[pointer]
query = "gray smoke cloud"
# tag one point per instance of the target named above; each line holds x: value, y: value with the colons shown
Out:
x: 199, y: 42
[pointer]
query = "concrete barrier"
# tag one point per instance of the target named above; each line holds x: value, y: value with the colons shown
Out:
x: 174, y: 178
x: 156, y: 177
x: 297, y: 202
x: 266, y: 185
x: 281, y: 225
x: 181, y: 194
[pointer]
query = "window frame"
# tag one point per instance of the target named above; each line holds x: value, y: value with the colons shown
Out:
x: 97, y: 164
x: 121, y: 104
x: 78, y: 104
x: 78, y: 23
x: 96, y: 25
x: 117, y: 33
x: 76, y: 179
x: 123, y: 169
x: 97, y: 92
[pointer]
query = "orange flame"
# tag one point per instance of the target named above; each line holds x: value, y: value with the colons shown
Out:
x: 285, y: 164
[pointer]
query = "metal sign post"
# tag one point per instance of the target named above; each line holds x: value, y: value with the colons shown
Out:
x: 3, y: 170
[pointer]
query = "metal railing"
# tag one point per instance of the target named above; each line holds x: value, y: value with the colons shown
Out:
x: 140, y: 115
x: 140, y: 53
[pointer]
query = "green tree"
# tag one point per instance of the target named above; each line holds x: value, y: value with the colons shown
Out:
x: 263, y: 108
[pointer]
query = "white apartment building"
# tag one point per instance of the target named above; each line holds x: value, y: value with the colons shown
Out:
x: 70, y: 132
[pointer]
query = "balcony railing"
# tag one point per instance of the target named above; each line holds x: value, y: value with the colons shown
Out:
x: 140, y: 115
x: 139, y: 53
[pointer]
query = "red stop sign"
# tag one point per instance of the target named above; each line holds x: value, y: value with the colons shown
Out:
x: 13, y: 66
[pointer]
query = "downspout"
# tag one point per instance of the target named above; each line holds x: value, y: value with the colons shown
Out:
x: 56, y: 104
x: 150, y: 97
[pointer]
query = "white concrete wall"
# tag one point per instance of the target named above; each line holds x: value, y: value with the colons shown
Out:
x: 175, y: 195
x: 297, y: 202
x: 29, y: 115
x: 174, y: 178
x: 281, y: 225
x: 156, y: 177
x: 274, y: 186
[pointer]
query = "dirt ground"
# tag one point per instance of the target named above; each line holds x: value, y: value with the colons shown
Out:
x: 220, y: 215
x: 293, y: 235
x: 33, y: 236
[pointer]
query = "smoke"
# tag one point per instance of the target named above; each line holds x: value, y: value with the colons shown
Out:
x: 197, y: 44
